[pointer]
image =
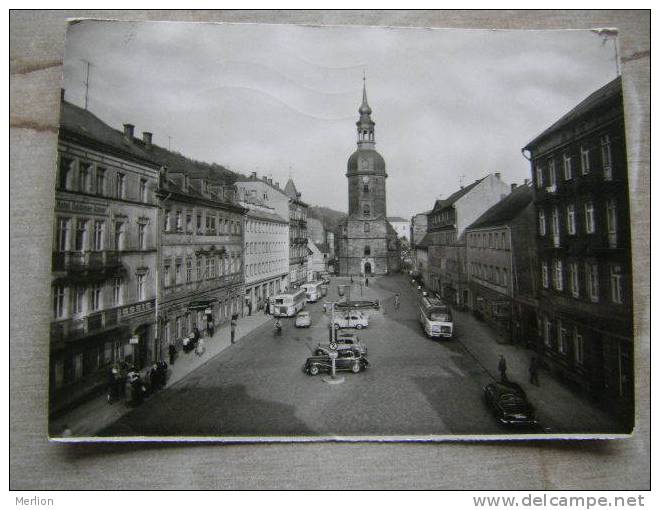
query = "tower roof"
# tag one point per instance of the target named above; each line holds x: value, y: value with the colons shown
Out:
x: 290, y: 189
x: 364, y: 109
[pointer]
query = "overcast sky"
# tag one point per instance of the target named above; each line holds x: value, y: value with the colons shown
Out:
x: 450, y: 106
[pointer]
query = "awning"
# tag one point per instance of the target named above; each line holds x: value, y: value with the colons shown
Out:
x: 201, y: 304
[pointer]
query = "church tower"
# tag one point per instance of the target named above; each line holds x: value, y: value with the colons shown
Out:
x: 364, y: 236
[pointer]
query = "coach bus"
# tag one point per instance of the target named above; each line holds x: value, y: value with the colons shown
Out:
x: 435, y: 318
x: 287, y: 304
x: 313, y: 291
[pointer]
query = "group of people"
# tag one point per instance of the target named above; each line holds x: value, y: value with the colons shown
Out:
x: 533, y: 370
x: 125, y: 381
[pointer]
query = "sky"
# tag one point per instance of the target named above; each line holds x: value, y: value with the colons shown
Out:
x: 450, y: 106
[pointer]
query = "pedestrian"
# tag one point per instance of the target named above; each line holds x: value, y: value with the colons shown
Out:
x: 534, y: 371
x: 234, y: 323
x: 200, y: 348
x: 249, y: 305
x: 171, y: 349
x: 113, y: 390
x: 267, y: 307
x: 351, y: 279
x: 501, y: 366
x: 366, y: 281
x: 210, y: 327
x: 396, y: 301
x: 196, y: 335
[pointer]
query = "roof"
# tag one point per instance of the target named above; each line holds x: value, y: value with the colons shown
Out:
x: 447, y: 202
x: 256, y: 213
x: 290, y: 189
x: 506, y: 209
x: 602, y: 95
x: 376, y: 161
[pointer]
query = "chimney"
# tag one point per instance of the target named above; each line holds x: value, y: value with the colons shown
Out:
x: 498, y: 175
x: 146, y: 138
x: 513, y: 186
x: 128, y: 132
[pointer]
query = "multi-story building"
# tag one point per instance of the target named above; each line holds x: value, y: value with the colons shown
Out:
x: 418, y: 228
x: 401, y: 226
x: 580, y: 177
x: 201, y: 248
x: 501, y: 264
x: 315, y: 230
x: 266, y: 254
x: 298, y: 250
x: 447, y: 222
x: 367, y: 242
x: 104, y: 256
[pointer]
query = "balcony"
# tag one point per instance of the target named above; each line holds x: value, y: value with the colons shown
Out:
x: 84, y: 261
x: 70, y: 329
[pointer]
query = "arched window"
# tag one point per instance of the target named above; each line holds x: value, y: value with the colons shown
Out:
x: 367, y: 250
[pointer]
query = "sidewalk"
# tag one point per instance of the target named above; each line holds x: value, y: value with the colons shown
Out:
x: 95, y: 414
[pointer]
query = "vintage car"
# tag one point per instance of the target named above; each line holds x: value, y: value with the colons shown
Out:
x: 346, y: 361
x: 508, y: 402
x: 352, y: 319
x: 303, y: 320
x: 344, y: 341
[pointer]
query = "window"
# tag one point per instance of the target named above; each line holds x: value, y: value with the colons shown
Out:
x: 584, y: 160
x: 544, y: 275
x: 85, y: 178
x: 189, y: 270
x: 199, y: 223
x: 142, y: 238
x: 121, y: 185
x: 189, y: 226
x: 208, y: 267
x: 367, y: 250
x: 610, y: 208
x: 539, y: 176
x: 547, y: 332
x: 578, y: 346
x: 99, y: 227
x: 119, y: 235
x: 606, y: 153
x: 552, y: 174
x: 100, y: 181
x: 366, y: 210
x: 573, y: 279
x: 562, y: 337
x: 78, y: 299
x: 570, y: 219
x: 589, y: 220
x: 592, y: 281
x: 558, y: 275
x: 140, y: 280
x: 212, y: 266
x: 616, y: 284
x: 81, y: 235
x: 568, y: 166
x: 555, y: 227
x: 63, y: 225
x: 66, y: 173
x: 365, y: 188
x: 95, y: 297
x: 116, y: 291
x: 505, y: 277
x: 179, y: 221
x: 367, y: 227
x: 143, y: 191
x: 177, y: 273
x: 58, y: 301
x: 200, y: 268
x: 167, y: 225
x: 542, y: 229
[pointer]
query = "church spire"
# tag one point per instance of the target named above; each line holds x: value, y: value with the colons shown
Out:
x: 365, y: 126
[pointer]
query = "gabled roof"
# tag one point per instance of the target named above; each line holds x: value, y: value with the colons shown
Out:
x: 290, y: 189
x: 602, y: 95
x: 447, y: 202
x: 506, y: 209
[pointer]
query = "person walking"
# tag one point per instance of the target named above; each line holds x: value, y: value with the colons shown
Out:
x: 200, y: 348
x: 501, y: 366
x: 249, y: 306
x: 171, y: 350
x: 396, y: 302
x: 366, y: 281
x: 534, y: 371
x: 267, y: 307
x: 234, y: 323
x: 210, y: 327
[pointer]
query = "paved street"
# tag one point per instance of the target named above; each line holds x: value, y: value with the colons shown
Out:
x: 414, y: 386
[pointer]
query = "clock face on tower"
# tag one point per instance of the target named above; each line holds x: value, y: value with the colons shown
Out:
x: 364, y: 163
x: 365, y: 179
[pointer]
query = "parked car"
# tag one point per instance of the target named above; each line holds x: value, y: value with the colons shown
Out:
x: 352, y: 319
x: 508, y: 402
x: 345, y: 341
x: 347, y: 360
x: 303, y: 320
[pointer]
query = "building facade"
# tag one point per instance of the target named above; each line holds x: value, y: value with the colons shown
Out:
x: 367, y: 242
x: 580, y: 177
x: 418, y: 228
x: 447, y: 222
x: 104, y: 256
x: 401, y: 226
x: 298, y: 250
x: 501, y: 265
x: 266, y: 255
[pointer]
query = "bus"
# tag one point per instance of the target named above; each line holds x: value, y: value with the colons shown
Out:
x: 287, y: 304
x: 313, y: 290
x: 435, y: 318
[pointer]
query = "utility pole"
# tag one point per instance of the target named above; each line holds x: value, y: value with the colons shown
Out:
x: 89, y: 64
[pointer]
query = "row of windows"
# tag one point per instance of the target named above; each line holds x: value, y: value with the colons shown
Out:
x: 256, y: 248
x: 493, y: 240
x: 587, y: 159
x: 91, y: 235
x: 564, y: 338
x: 492, y: 274
x: 443, y: 217
x: 265, y: 267
x: 206, y: 268
x: 205, y: 223
x: 559, y: 277
x: 86, y: 177
x: 264, y: 227
x: 570, y: 218
x: 76, y: 301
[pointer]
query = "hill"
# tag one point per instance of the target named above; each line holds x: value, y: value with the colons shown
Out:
x: 329, y: 217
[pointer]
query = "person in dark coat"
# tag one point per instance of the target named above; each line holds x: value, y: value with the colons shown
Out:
x: 210, y: 327
x: 501, y: 366
x: 234, y: 323
x: 366, y: 282
x: 267, y: 307
x: 172, y: 352
x: 534, y: 371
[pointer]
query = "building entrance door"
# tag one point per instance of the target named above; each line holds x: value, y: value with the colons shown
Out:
x: 367, y: 268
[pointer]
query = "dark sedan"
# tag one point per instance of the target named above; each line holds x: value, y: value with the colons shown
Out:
x: 509, y: 404
x: 346, y: 361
